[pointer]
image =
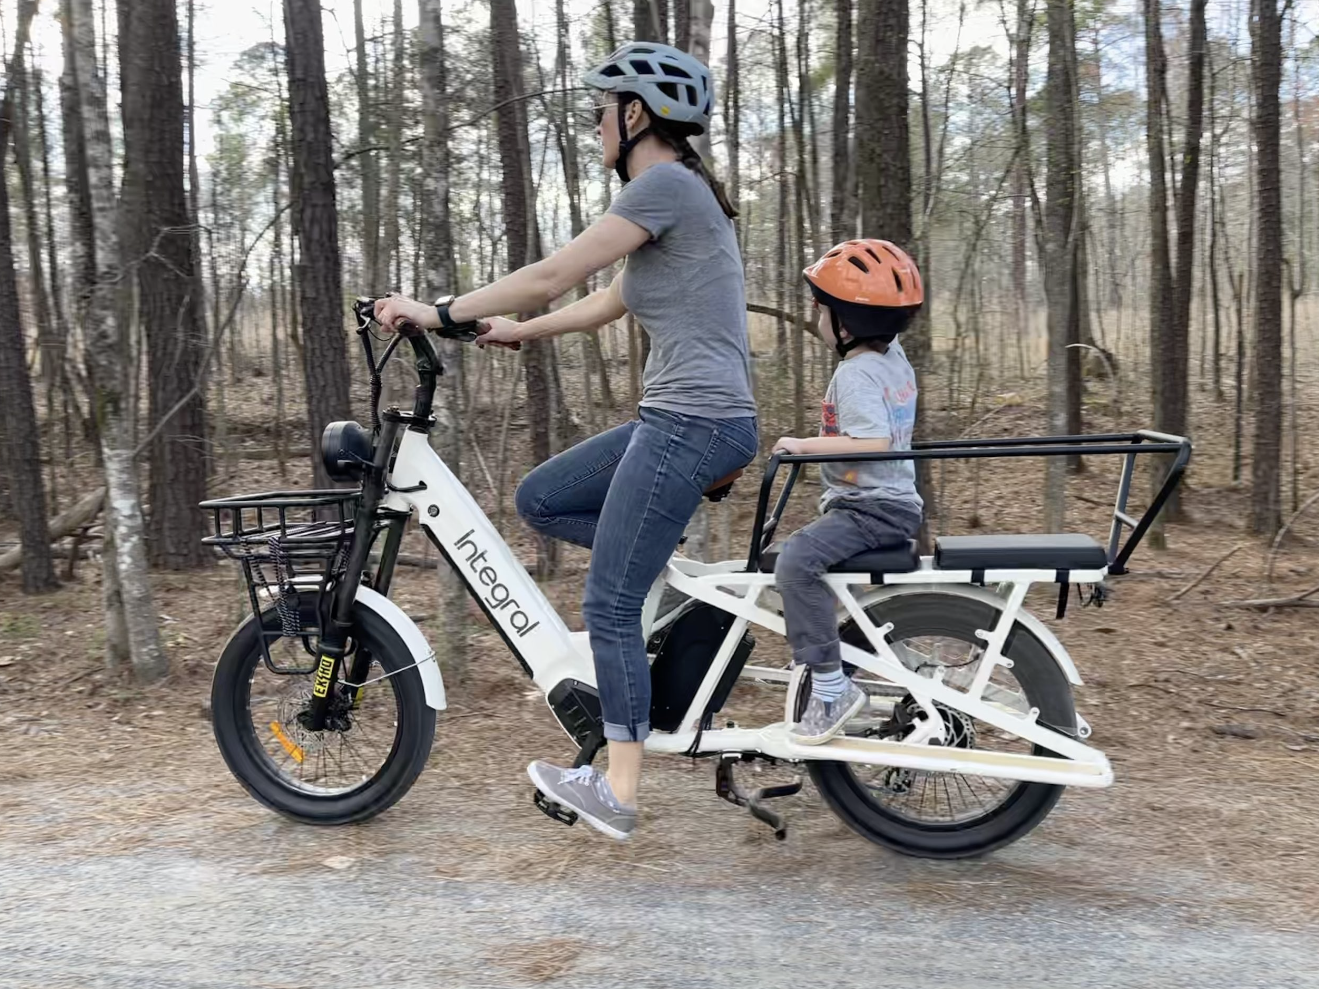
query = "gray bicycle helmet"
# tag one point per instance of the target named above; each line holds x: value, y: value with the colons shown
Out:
x: 674, y: 85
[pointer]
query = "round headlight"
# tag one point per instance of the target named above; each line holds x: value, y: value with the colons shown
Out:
x: 346, y: 449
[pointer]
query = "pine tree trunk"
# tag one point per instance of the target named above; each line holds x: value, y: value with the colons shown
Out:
x: 883, y: 170
x: 784, y: 216
x: 440, y: 278
x: 732, y: 113
x: 700, y: 21
x: 367, y: 162
x: 682, y: 23
x: 320, y: 290
x: 22, y: 453
x: 130, y: 609
x: 1172, y: 416
x: 1061, y: 236
x: 520, y: 225
x: 650, y: 20
x: 70, y: 412
x: 390, y: 245
x: 1020, y: 75
x: 842, y: 212
x: 157, y: 237
x: 1266, y: 74
x: 1161, y: 286
x: 883, y: 157
x: 48, y: 347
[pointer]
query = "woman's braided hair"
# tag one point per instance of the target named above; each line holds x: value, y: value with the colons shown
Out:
x: 677, y: 136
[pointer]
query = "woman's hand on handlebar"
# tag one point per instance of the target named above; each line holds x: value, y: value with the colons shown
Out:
x: 393, y: 310
x: 501, y: 332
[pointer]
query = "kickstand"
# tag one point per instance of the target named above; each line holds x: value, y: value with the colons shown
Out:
x: 725, y: 784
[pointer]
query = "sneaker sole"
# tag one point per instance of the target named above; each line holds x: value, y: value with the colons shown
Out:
x: 842, y: 723
x: 586, y: 816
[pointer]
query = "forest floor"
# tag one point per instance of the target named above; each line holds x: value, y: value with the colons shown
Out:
x: 129, y: 856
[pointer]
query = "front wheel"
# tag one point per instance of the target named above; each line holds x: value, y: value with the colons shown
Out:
x: 947, y: 815
x: 376, y: 740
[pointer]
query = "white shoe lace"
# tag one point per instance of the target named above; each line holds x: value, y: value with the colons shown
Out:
x: 579, y: 775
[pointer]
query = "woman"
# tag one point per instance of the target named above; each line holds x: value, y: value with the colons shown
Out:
x: 629, y: 493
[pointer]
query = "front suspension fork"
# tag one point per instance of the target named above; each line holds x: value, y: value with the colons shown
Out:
x: 334, y: 639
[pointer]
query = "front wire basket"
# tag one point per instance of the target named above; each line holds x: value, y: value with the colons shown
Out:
x: 293, y: 548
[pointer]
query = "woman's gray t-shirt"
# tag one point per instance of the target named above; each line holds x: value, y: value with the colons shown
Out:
x: 685, y: 286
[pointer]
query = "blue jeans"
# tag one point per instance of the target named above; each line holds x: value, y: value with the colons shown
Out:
x: 627, y: 495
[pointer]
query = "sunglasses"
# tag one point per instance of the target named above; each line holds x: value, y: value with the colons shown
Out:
x: 598, y: 112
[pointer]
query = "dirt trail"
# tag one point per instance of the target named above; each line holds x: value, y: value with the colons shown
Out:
x: 149, y: 867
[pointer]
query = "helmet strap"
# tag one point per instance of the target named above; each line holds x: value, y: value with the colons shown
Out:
x: 625, y: 145
x: 843, y: 347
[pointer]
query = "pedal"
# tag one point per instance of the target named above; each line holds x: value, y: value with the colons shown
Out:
x: 726, y: 786
x: 554, y: 811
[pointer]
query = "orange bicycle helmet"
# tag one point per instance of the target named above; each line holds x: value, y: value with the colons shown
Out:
x: 872, y: 287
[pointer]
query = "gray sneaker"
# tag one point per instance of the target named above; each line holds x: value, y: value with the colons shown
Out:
x: 587, y: 792
x: 822, y: 720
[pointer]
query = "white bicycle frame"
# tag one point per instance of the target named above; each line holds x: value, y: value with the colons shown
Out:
x: 420, y: 481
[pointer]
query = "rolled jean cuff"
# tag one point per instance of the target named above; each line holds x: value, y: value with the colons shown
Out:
x: 622, y: 733
x: 818, y: 654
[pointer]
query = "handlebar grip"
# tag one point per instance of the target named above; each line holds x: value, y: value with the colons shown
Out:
x: 466, y: 332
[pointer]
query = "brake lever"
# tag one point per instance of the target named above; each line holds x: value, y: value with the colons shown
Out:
x: 365, y: 309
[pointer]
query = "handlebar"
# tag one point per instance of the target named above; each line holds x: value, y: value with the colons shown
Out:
x: 365, y: 309
x: 428, y: 364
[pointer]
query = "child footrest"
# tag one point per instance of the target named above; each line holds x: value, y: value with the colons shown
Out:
x: 1061, y: 551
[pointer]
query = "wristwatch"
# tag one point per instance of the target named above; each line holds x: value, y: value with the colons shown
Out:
x: 442, y: 305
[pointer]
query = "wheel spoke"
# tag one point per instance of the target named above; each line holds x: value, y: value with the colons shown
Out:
x: 932, y: 797
x: 335, y: 760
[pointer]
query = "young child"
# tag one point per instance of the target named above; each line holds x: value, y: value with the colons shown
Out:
x: 867, y: 292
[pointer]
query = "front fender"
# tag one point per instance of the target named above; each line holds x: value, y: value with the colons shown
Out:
x: 1024, y: 618
x: 422, y: 654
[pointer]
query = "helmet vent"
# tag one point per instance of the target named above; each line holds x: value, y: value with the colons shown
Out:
x: 890, y: 251
x: 874, y: 255
x: 640, y: 67
x: 897, y: 280
x: 860, y: 264
x: 674, y: 70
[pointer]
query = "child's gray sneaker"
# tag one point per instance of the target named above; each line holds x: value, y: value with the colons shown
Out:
x: 822, y: 719
x: 586, y: 792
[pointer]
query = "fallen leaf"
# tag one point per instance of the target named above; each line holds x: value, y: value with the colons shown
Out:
x: 338, y: 862
x: 8, y: 660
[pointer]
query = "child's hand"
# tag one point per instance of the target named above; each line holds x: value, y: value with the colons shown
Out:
x: 789, y: 445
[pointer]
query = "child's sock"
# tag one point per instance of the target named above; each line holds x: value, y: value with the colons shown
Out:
x: 828, y: 685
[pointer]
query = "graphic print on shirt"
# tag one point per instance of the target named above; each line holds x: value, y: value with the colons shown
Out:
x: 828, y: 418
x: 829, y: 427
x: 902, y: 414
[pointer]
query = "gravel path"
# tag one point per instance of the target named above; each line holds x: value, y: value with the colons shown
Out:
x: 203, y: 889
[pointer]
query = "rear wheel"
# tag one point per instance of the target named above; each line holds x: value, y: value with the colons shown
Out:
x: 376, y: 740
x: 947, y: 815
